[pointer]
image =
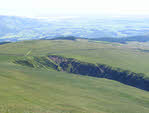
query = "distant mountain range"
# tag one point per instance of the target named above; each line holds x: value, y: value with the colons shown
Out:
x: 144, y: 38
x: 14, y: 28
x: 18, y: 28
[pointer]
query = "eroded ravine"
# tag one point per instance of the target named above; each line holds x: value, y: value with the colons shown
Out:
x: 71, y: 65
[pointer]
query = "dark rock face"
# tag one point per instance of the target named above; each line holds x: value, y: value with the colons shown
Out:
x: 73, y: 66
x: 103, y: 71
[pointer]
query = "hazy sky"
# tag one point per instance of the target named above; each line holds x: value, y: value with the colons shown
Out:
x: 70, y: 7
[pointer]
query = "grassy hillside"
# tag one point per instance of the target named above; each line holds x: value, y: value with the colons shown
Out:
x: 34, y: 90
x: 127, y: 56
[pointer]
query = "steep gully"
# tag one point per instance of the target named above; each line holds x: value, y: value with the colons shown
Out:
x: 70, y: 65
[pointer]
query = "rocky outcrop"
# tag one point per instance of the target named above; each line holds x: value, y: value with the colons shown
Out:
x: 102, y: 71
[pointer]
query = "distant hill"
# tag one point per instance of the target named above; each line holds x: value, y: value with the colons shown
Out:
x: 63, y: 38
x: 1, y: 43
x: 124, y: 40
x: 14, y: 28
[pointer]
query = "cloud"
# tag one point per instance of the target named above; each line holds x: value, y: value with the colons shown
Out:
x: 35, y: 7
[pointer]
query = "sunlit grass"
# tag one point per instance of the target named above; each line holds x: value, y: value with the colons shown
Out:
x: 32, y: 90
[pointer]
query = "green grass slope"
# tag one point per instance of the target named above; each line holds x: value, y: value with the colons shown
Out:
x: 116, y: 55
x: 29, y: 90
x: 32, y: 90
